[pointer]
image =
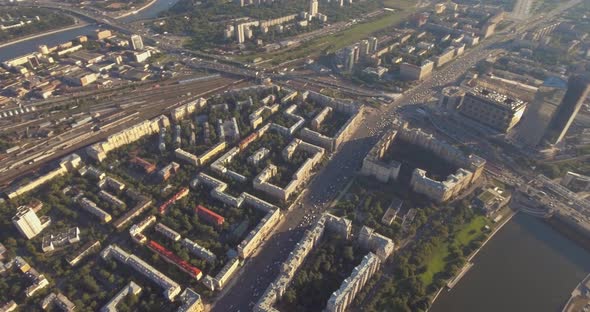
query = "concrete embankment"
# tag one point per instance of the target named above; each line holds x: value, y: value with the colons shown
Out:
x: 453, y: 281
x: 147, y: 5
x: 568, y: 228
x: 80, y: 25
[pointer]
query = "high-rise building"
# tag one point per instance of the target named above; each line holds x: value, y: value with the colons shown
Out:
x: 538, y: 113
x: 364, y: 47
x: 313, y: 8
x: 578, y: 88
x: 240, y: 33
x: 136, y: 42
x: 373, y: 43
x: 350, y: 57
x: 27, y: 222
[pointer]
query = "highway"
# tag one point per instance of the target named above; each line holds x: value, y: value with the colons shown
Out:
x: 260, y: 270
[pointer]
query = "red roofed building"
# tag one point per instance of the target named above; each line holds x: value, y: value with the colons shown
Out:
x: 209, y: 215
x: 170, y: 257
x: 144, y: 164
x: 247, y: 140
x: 164, y: 207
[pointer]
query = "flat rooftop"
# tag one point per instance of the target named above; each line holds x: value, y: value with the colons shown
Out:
x: 498, y: 98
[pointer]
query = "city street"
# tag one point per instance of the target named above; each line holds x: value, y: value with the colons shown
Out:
x: 261, y: 269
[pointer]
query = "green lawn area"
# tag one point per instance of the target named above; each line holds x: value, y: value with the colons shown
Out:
x: 342, y: 39
x: 436, y: 263
x: 463, y: 237
x: 470, y: 231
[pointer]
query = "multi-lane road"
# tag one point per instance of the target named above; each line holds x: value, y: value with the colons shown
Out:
x: 260, y: 270
x: 263, y: 268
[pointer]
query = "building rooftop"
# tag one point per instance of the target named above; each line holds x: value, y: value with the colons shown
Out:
x: 498, y: 98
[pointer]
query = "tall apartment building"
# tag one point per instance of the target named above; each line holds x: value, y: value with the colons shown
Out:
x: 492, y: 109
x: 373, y: 44
x: 313, y: 8
x: 352, y: 285
x: 578, y: 89
x: 240, y: 32
x: 136, y: 42
x: 27, y: 222
x: 538, y: 113
x: 351, y: 57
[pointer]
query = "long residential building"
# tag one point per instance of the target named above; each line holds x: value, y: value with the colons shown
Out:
x: 93, y: 209
x: 343, y: 297
x: 259, y: 233
x: 199, y: 251
x: 375, y: 166
x: 171, y: 288
x: 66, y: 164
x: 130, y: 289
x: 99, y: 151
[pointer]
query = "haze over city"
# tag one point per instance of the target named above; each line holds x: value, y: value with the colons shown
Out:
x: 302, y: 155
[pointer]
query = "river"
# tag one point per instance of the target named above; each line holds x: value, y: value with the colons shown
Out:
x: 23, y: 47
x: 527, y: 266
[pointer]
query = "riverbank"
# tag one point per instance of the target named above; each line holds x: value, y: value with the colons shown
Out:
x: 457, y: 278
x: 578, y: 300
x: 528, y: 266
x: 568, y: 230
x: 147, y: 5
x: 47, y: 33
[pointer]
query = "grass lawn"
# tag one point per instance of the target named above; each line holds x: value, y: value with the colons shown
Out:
x: 472, y: 230
x: 436, y: 263
x: 342, y: 39
x: 463, y: 236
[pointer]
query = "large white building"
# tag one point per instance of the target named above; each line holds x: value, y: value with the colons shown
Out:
x: 313, y: 8
x: 27, y: 222
x: 136, y: 42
